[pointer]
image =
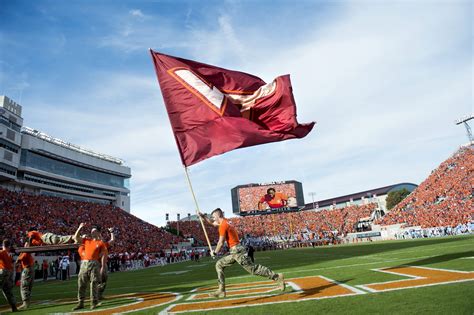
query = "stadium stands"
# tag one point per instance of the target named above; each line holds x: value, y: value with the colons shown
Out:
x: 19, y: 211
x: 284, y: 226
x: 444, y: 199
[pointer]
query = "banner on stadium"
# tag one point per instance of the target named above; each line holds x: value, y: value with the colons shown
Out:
x: 214, y: 110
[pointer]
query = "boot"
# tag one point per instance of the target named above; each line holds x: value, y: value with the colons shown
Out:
x: 220, y: 293
x: 95, y: 305
x: 281, y: 282
x: 79, y: 306
x: 24, y: 306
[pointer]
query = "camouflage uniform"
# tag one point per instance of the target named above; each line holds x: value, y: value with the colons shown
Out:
x: 6, y: 282
x: 89, y: 272
x: 239, y: 254
x: 103, y: 283
x: 27, y: 276
x: 53, y: 239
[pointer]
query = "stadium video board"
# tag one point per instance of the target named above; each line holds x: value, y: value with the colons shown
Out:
x: 267, y: 197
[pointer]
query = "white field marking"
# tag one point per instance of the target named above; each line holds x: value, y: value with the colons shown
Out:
x: 173, y: 272
x: 437, y: 269
x: 136, y: 301
x: 177, y: 297
x: 206, y: 299
x: 256, y: 284
x: 196, y: 266
x: 166, y: 311
x: 420, y: 250
x: 412, y: 287
x: 467, y: 257
x: 364, y: 286
x: 355, y: 290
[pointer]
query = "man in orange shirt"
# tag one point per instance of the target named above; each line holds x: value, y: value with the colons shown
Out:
x: 273, y: 199
x: 237, y: 253
x: 27, y: 262
x: 6, y: 271
x: 36, y: 238
x: 93, y: 259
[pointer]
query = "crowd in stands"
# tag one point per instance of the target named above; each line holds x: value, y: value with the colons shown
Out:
x: 193, y: 229
x: 444, y: 199
x: 20, y: 211
x: 287, y: 226
x: 250, y: 196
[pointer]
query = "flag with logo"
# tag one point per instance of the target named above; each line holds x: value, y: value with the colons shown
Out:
x: 214, y: 110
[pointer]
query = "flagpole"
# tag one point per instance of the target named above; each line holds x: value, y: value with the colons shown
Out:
x: 197, y: 210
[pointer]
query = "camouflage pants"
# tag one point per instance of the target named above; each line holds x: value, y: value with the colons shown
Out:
x: 53, y: 239
x: 88, y: 274
x: 103, y: 283
x: 239, y: 254
x: 27, y: 276
x: 6, y: 282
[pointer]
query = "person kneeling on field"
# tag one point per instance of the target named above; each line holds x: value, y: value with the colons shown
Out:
x: 93, y: 256
x: 237, y: 253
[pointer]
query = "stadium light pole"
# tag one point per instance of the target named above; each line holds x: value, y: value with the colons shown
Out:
x: 312, y: 194
x: 464, y: 120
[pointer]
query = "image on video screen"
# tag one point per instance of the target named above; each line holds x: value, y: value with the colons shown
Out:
x: 267, y: 197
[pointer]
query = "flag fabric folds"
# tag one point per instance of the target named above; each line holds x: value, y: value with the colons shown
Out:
x: 214, y: 110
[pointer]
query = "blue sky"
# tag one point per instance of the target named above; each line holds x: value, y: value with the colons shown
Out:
x: 384, y: 82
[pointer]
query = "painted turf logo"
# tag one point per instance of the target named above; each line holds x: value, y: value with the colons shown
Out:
x: 314, y: 288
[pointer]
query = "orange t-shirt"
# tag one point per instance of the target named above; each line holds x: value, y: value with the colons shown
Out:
x: 92, y: 249
x: 35, y: 238
x: 26, y: 260
x: 6, y: 261
x: 229, y: 232
x: 81, y: 251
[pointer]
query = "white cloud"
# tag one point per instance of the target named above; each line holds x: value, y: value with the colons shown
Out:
x: 137, y: 13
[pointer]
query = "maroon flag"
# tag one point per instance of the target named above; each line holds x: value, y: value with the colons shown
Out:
x: 214, y: 110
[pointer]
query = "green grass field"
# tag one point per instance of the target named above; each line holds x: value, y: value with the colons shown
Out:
x: 350, y: 265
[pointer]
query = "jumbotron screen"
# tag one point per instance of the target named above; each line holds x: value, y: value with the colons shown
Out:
x: 267, y: 197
